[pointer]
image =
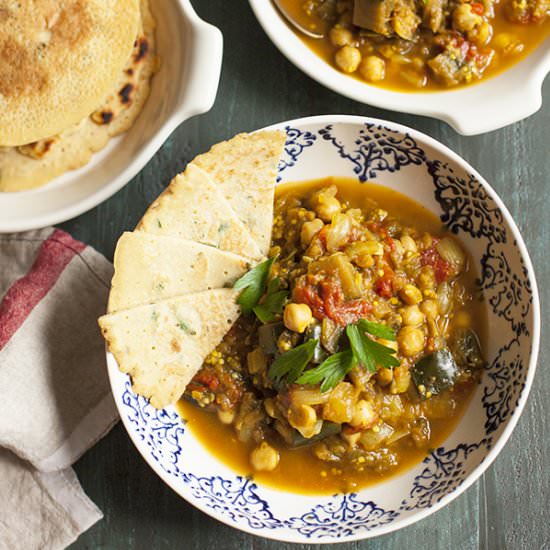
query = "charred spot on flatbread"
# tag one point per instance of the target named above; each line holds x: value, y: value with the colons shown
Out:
x: 38, y: 149
x: 125, y: 93
x: 141, y: 48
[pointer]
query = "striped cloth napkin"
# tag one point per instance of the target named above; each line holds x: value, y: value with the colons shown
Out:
x: 56, y: 401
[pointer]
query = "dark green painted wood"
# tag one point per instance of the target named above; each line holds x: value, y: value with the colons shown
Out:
x: 508, y: 507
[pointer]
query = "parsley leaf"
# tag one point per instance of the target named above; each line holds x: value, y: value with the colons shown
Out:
x: 272, y: 304
x: 369, y: 353
x: 376, y: 329
x: 253, y: 285
x: 330, y: 371
x: 292, y: 363
x: 359, y: 347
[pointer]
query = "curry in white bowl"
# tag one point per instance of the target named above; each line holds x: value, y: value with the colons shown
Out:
x: 358, y: 347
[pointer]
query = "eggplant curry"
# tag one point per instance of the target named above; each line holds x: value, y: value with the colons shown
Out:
x: 423, y: 44
x: 357, y: 349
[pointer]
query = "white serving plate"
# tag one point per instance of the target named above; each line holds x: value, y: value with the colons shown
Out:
x: 190, y: 51
x: 488, y: 105
x: 430, y: 173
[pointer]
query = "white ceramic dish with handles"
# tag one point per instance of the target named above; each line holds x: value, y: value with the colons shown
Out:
x: 190, y: 51
x: 421, y: 168
x: 488, y: 105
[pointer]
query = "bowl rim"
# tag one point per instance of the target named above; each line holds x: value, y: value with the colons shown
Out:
x: 458, y: 107
x: 512, y: 420
x: 203, y: 36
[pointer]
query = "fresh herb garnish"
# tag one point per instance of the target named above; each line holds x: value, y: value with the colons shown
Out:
x: 253, y: 285
x: 364, y: 351
x: 292, y: 363
x: 369, y: 353
x: 272, y: 303
x: 376, y: 329
x: 330, y: 371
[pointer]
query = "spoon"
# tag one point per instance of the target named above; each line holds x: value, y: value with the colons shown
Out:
x: 312, y: 33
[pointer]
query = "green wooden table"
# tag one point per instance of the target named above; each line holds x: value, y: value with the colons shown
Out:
x: 508, y: 508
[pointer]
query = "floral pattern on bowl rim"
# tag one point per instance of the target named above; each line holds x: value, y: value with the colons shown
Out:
x: 418, y: 166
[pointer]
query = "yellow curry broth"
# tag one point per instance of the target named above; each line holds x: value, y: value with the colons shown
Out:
x: 531, y: 36
x: 299, y: 470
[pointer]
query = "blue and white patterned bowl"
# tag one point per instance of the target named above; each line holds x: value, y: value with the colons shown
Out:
x: 420, y: 167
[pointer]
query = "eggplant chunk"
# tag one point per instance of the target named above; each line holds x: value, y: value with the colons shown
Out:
x: 268, y: 336
x: 467, y: 351
x: 313, y: 332
x: 329, y: 428
x: 387, y: 17
x: 435, y: 372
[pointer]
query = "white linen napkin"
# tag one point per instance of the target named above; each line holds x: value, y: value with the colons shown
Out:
x: 56, y: 400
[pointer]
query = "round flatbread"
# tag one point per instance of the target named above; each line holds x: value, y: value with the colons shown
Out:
x: 58, y: 60
x: 34, y: 164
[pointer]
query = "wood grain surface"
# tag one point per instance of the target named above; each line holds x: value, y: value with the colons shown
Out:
x: 508, y: 508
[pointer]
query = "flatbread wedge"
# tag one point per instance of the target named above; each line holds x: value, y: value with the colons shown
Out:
x: 245, y: 169
x: 193, y: 208
x: 150, y: 268
x: 162, y: 346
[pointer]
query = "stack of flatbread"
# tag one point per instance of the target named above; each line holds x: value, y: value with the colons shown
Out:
x: 73, y: 74
x: 171, y: 299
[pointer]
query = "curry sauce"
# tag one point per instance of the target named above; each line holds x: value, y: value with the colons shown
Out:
x: 244, y: 411
x: 430, y: 59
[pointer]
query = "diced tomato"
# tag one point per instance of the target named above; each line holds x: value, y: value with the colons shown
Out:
x: 327, y: 300
x: 384, y: 286
x: 207, y: 379
x: 308, y: 295
x: 442, y: 268
x: 478, y: 8
x: 391, y: 243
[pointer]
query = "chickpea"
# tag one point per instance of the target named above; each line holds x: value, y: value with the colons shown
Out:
x: 373, y: 68
x: 264, y: 458
x: 482, y: 34
x: 430, y: 308
x: 384, y: 376
x: 348, y: 58
x: 309, y: 230
x: 340, y: 36
x: 226, y: 417
x: 464, y: 19
x: 364, y: 415
x: 327, y: 207
x: 411, y: 315
x: 410, y: 294
x: 410, y: 340
x: 297, y: 317
x: 304, y: 419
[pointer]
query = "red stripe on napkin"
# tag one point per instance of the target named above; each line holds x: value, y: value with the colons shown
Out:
x: 54, y: 255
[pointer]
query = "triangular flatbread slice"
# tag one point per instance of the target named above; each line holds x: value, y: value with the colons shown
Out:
x: 149, y: 268
x: 245, y: 169
x: 193, y: 208
x: 162, y: 346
